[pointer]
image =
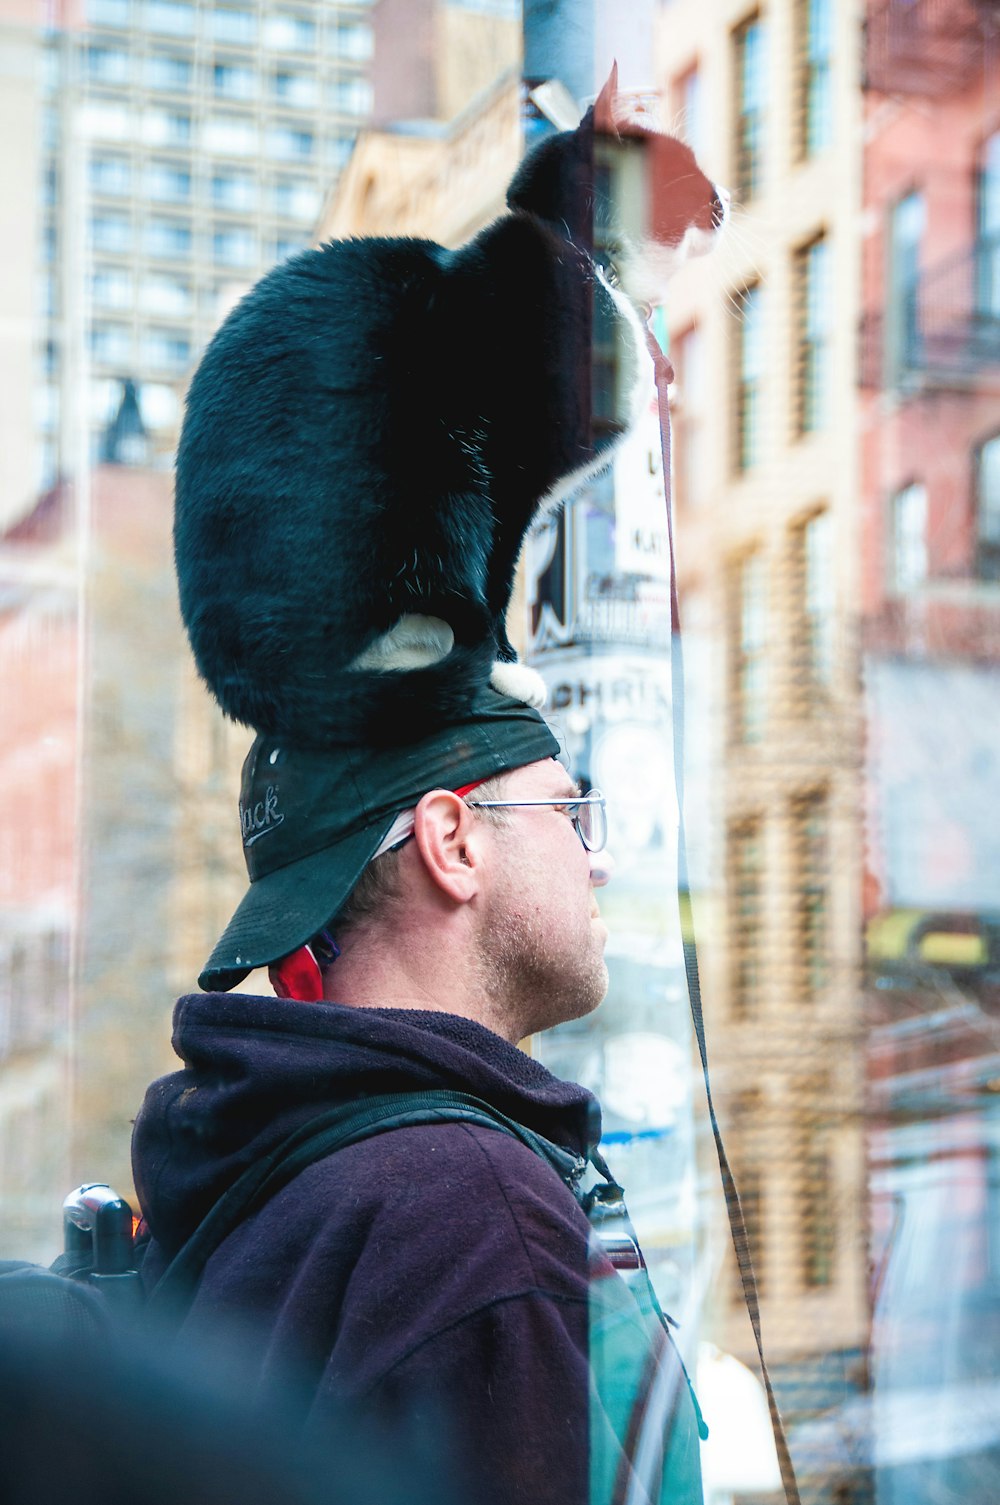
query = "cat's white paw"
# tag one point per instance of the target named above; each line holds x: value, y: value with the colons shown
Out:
x: 415, y: 642
x: 520, y: 683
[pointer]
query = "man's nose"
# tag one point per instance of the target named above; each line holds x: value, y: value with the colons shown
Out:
x: 602, y: 866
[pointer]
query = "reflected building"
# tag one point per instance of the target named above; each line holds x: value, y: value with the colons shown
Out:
x: 930, y: 541
x: 39, y: 746
x: 120, y: 859
x: 762, y: 340
x: 159, y: 155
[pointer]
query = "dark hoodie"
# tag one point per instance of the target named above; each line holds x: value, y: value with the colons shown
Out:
x: 439, y: 1275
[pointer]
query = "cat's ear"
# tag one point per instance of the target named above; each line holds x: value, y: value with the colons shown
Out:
x: 604, y: 105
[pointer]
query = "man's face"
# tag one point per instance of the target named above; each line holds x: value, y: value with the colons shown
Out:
x: 542, y: 938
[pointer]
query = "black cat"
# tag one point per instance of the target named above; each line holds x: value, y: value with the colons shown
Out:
x: 374, y: 426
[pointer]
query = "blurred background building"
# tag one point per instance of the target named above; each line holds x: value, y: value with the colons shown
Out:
x: 158, y: 156
x: 930, y: 661
x: 836, y: 482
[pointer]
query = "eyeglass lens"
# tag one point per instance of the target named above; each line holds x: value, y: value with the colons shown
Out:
x: 592, y: 823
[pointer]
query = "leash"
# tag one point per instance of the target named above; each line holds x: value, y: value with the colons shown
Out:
x: 664, y: 374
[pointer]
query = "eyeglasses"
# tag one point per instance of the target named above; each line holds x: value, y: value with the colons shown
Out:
x: 588, y: 814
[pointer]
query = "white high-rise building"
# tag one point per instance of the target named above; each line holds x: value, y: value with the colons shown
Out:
x: 187, y: 147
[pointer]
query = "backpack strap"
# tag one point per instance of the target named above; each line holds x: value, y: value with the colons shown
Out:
x: 322, y: 1136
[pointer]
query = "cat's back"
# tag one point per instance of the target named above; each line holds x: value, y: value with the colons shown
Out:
x: 327, y: 322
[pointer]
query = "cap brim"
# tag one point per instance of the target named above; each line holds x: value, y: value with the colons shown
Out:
x: 283, y: 910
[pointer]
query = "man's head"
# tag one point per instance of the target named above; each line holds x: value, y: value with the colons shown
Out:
x: 514, y: 884
x: 494, y: 890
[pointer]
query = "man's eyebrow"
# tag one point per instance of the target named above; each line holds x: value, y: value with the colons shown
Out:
x: 571, y: 790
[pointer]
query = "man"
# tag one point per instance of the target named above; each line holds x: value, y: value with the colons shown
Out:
x: 440, y: 1276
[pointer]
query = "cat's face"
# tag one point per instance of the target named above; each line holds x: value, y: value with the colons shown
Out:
x: 669, y: 210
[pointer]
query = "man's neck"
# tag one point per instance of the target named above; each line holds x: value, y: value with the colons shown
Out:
x: 372, y: 975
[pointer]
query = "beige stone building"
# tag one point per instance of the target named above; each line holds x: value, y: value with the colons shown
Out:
x: 762, y: 337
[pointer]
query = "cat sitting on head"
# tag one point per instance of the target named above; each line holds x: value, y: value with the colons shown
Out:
x: 376, y: 424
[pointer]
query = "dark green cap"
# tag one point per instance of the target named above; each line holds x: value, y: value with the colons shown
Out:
x: 312, y: 820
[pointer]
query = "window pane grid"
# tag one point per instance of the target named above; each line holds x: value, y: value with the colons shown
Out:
x: 750, y: 368
x: 746, y: 887
x: 749, y: 648
x: 750, y: 96
x: 814, y: 308
x: 814, y: 81
x: 811, y: 860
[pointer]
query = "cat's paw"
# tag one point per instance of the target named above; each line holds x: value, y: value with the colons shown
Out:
x: 520, y: 683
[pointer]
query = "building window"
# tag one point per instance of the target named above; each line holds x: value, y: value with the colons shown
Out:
x: 297, y: 89
x: 165, y: 128
x: 235, y: 247
x: 233, y: 82
x: 352, y: 40
x: 235, y: 26
x: 750, y: 68
x: 167, y: 296
x: 106, y: 65
x: 287, y: 144
x: 296, y: 200
x: 812, y: 574
x: 111, y: 345
x: 814, y: 320
x: 288, y: 32
x: 162, y: 349
x: 165, y: 182
x: 815, y: 102
x: 811, y: 866
x: 234, y: 190
x: 107, y: 12
x: 111, y: 232
x: 351, y: 96
x: 164, y: 72
x: 908, y: 534
x: 750, y: 368
x: 689, y: 413
x: 988, y: 237
x: 169, y: 17
x: 750, y: 1157
x: 231, y: 135
x: 749, y: 687
x: 988, y: 510
x: 281, y: 249
x: 103, y: 119
x: 112, y: 289
x: 906, y: 230
x: 111, y: 176
x: 818, y: 1231
x: 169, y: 238
x: 746, y: 910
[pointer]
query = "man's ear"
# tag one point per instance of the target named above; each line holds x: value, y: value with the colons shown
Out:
x: 449, y: 840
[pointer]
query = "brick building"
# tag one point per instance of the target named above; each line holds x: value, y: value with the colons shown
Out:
x: 930, y: 645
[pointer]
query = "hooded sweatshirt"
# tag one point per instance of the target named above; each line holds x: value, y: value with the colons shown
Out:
x: 437, y: 1276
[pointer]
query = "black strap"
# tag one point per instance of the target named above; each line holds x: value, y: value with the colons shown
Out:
x: 737, y: 1222
x: 321, y: 1136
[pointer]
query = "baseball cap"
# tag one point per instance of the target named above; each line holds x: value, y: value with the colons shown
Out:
x: 312, y: 820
